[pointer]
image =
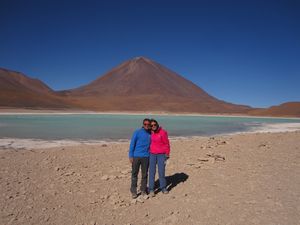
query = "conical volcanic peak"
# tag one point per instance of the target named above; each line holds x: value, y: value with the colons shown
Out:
x: 141, y: 76
x: 143, y: 84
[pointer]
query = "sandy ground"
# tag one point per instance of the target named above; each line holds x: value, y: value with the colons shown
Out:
x: 239, y: 179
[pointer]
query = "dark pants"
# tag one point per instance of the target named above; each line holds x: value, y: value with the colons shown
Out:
x: 159, y: 160
x: 144, y: 163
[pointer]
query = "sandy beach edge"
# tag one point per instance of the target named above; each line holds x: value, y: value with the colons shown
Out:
x: 9, y: 111
x: 27, y: 144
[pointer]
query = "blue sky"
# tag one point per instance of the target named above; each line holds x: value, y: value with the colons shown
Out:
x: 245, y: 52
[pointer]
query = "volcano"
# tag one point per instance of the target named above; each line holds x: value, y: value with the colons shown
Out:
x: 141, y: 84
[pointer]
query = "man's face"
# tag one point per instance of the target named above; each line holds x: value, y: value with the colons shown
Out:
x: 146, y: 125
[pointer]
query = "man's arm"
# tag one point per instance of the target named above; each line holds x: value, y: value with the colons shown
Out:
x: 132, y: 146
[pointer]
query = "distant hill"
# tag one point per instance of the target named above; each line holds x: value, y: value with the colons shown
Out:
x: 289, y: 109
x: 20, y: 91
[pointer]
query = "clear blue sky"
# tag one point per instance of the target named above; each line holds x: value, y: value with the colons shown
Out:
x: 245, y: 52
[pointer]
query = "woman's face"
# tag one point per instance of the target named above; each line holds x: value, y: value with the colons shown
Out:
x: 153, y: 126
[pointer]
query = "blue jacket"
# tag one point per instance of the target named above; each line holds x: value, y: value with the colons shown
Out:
x: 140, y: 143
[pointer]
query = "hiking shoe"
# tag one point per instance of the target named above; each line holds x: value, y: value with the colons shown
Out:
x: 165, y: 191
x: 134, y: 195
x: 144, y: 193
x: 152, y: 194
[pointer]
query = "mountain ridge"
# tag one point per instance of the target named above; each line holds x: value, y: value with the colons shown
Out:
x: 19, y: 90
x: 139, y: 84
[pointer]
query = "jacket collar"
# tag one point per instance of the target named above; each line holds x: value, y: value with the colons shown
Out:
x: 158, y: 130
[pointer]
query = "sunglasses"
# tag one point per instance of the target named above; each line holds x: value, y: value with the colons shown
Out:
x: 146, y: 124
x: 153, y: 125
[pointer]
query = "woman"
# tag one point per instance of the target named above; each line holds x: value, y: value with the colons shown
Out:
x: 159, y: 153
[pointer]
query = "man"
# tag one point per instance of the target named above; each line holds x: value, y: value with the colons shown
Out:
x: 139, y: 157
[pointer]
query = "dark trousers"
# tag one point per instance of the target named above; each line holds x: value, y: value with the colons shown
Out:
x: 138, y: 162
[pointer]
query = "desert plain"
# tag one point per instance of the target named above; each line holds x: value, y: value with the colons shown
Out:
x: 231, y: 179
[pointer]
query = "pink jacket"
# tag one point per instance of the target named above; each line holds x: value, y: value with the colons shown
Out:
x: 160, y: 142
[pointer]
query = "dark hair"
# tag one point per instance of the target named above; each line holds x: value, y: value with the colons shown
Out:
x: 153, y: 120
x: 146, y: 119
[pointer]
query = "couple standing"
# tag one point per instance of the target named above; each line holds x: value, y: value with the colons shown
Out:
x: 149, y: 147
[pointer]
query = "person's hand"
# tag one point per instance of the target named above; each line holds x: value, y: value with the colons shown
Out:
x: 131, y: 160
x: 167, y: 157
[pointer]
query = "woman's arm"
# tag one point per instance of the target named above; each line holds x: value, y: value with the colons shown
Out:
x: 165, y: 140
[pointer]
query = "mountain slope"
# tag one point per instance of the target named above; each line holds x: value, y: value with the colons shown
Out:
x: 19, y: 90
x: 286, y: 109
x: 141, y: 76
x: 141, y: 84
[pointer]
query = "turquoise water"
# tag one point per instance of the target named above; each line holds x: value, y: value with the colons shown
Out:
x: 115, y: 127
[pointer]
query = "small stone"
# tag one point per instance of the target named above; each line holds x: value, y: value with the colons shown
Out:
x: 133, y: 201
x: 112, y: 177
x: 57, y: 168
x: 69, y: 173
x: 105, y: 177
x: 222, y: 143
x: 125, y: 171
x: 211, y: 160
x: 9, y: 197
x: 140, y: 200
x: 203, y: 159
x: 104, y: 145
x: 145, y: 197
x: 262, y: 145
x: 104, y: 197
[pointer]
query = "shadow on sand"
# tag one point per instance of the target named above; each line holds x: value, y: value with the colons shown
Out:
x: 172, y: 181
